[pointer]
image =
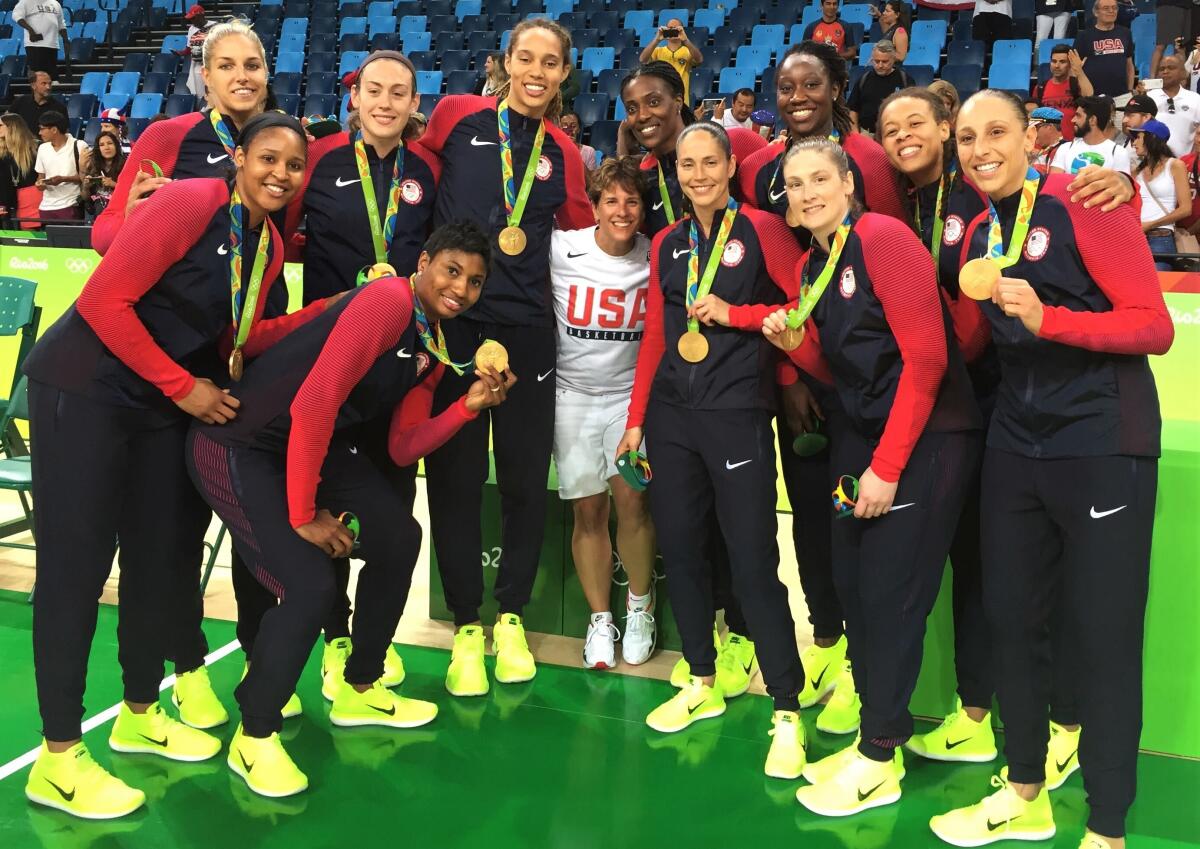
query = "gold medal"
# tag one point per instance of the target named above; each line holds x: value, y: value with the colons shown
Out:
x: 380, y: 269
x: 491, y: 354
x: 693, y: 347
x: 791, y: 338
x: 236, y: 364
x: 978, y: 278
x: 512, y: 240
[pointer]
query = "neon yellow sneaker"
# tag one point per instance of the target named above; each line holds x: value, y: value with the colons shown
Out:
x: 840, y: 714
x: 198, y: 705
x: 379, y: 706
x: 71, y: 781
x: 157, y: 733
x: 1094, y: 841
x: 514, y: 661
x: 786, y: 756
x: 821, y: 668
x: 333, y: 666
x: 1001, y: 816
x: 859, y: 785
x: 467, y: 675
x: 826, y: 768
x: 1062, y: 755
x: 393, y: 668
x: 694, y: 702
x: 958, y: 738
x: 681, y: 674
x: 736, y: 665
x: 265, y: 766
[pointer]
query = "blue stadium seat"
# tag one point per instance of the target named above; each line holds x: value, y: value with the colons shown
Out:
x: 1012, y: 76
x: 603, y: 136
x: 294, y: 26
x: 124, y: 82
x: 442, y: 25
x: 604, y: 20
x: 136, y: 126
x: 289, y: 63
x: 351, y: 26
x: 965, y: 78
x: 415, y: 41
x: 597, y: 59
x: 321, y: 82
x: 702, y: 83
x: 380, y: 8
x: 585, y: 38
x: 557, y: 8
x: 352, y: 9
x: 384, y: 41
x: 81, y: 50
x: 924, y: 53
x: 350, y: 61
x: 344, y: 108
x: 713, y: 19
x: 783, y: 15
x: 289, y: 103
x: 164, y: 63
x: 290, y: 43
x: 319, y: 63
x: 115, y: 100
x: 96, y: 30
x: 670, y: 14
x: 146, y: 105
x: 864, y: 53
x: 932, y: 31
x: 962, y: 28
x: 619, y: 39
x: 479, y: 41
x: 1012, y: 51
x: 412, y: 23
x: 4, y: 85
x: 642, y: 20
x: 744, y: 17
x: 286, y: 83
x: 921, y: 75
x: 628, y: 58
x: 386, y: 23
x: 461, y: 82
x: 323, y: 42
x: 1049, y: 44
x: 171, y: 43
x: 179, y: 104
x: 423, y: 60
x: 139, y: 62
x: 79, y: 105
x: 731, y: 79
x: 429, y: 82
x: 768, y: 35
x: 965, y: 53
x: 619, y: 112
x: 754, y: 58
x: 591, y: 108
x: 609, y: 82
x: 355, y: 41
x: 320, y: 104
x: 455, y: 60
x: 857, y: 13
x: 157, y: 83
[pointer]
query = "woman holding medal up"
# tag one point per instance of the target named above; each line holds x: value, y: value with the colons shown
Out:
x: 701, y: 400
x: 903, y: 438
x: 1069, y: 473
x: 302, y: 452
x: 508, y: 168
x: 126, y: 368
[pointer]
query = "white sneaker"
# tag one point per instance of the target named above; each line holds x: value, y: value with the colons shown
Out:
x: 640, y: 635
x: 599, y: 648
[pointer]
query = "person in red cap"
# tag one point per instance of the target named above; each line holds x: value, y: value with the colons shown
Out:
x: 198, y: 26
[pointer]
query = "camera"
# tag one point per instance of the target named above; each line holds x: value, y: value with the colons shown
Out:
x: 670, y: 32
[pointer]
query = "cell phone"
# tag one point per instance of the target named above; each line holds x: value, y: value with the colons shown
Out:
x: 710, y: 103
x: 322, y: 127
x: 671, y: 32
x: 1152, y: 84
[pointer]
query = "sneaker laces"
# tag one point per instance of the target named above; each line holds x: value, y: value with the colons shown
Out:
x: 777, y: 721
x: 999, y: 803
x: 595, y: 628
x: 638, y: 620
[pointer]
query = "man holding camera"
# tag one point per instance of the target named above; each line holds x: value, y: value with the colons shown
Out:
x: 672, y: 45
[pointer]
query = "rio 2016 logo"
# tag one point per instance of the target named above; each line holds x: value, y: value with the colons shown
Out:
x: 491, y: 557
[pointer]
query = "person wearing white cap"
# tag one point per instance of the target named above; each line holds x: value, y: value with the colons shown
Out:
x: 1163, y: 184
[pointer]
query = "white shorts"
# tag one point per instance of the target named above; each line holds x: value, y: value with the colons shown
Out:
x: 587, y: 431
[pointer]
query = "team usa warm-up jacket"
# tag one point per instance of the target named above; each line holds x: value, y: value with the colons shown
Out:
x: 360, y: 360
x: 156, y: 312
x: 1082, y: 387
x: 338, y: 233
x: 463, y: 134
x: 756, y: 274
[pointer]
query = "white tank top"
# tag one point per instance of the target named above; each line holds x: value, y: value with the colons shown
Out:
x: 1158, y: 196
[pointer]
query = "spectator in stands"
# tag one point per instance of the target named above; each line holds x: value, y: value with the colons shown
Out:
x: 100, y: 178
x: 895, y: 22
x: 19, y: 195
x: 1178, y: 108
x: 1066, y: 85
x: 570, y: 125
x: 43, y: 23
x: 1163, y: 184
x: 672, y: 45
x: 570, y: 89
x: 1052, y: 17
x: 1092, y: 146
x: 949, y: 95
x: 1048, y: 123
x: 737, y: 115
x: 198, y: 25
x: 39, y: 100
x: 1174, y: 23
x: 871, y: 89
x: 112, y: 121
x: 830, y: 30
x: 992, y: 21
x: 417, y: 125
x: 62, y: 160
x: 1107, y: 52
x: 494, y: 75
x: 1191, y: 162
x: 1140, y: 109
x: 1030, y: 104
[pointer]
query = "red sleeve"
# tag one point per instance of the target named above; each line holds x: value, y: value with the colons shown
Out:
x: 173, y: 218
x: 782, y: 254
x: 880, y: 185
x: 745, y: 142
x: 412, y: 433
x: 430, y: 159
x: 367, y: 328
x: 904, y: 280
x: 295, y: 210
x: 1138, y: 322
x: 576, y: 211
x: 446, y: 115
x: 160, y: 142
x: 650, y: 352
x: 747, y: 173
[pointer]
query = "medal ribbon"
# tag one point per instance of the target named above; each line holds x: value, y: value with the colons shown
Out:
x: 834, y: 136
x: 996, y: 252
x: 811, y: 293
x: 244, y: 306
x: 939, y: 220
x: 668, y: 207
x: 381, y: 236
x: 698, y: 287
x: 222, y: 130
x: 514, y: 202
x: 434, y: 345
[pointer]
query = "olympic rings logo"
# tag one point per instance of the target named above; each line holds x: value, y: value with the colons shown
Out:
x: 79, y: 265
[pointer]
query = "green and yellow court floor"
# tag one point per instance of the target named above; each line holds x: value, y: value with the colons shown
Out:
x: 563, y: 761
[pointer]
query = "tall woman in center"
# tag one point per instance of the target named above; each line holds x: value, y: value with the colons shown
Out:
x: 702, y: 394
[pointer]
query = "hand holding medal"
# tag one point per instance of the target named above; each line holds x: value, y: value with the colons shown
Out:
x: 979, y: 277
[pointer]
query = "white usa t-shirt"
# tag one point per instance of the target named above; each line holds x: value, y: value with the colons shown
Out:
x: 46, y: 19
x: 1072, y: 158
x: 600, y: 308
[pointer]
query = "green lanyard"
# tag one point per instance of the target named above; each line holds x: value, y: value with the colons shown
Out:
x: 514, y: 202
x: 810, y: 294
x: 381, y: 234
x: 222, y: 131
x: 945, y: 185
x: 434, y: 344
x: 668, y: 207
x: 996, y: 252
x: 244, y: 306
x: 697, y: 286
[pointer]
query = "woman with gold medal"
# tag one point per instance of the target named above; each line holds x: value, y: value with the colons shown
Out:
x: 702, y: 399
x: 870, y: 321
x: 113, y: 386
